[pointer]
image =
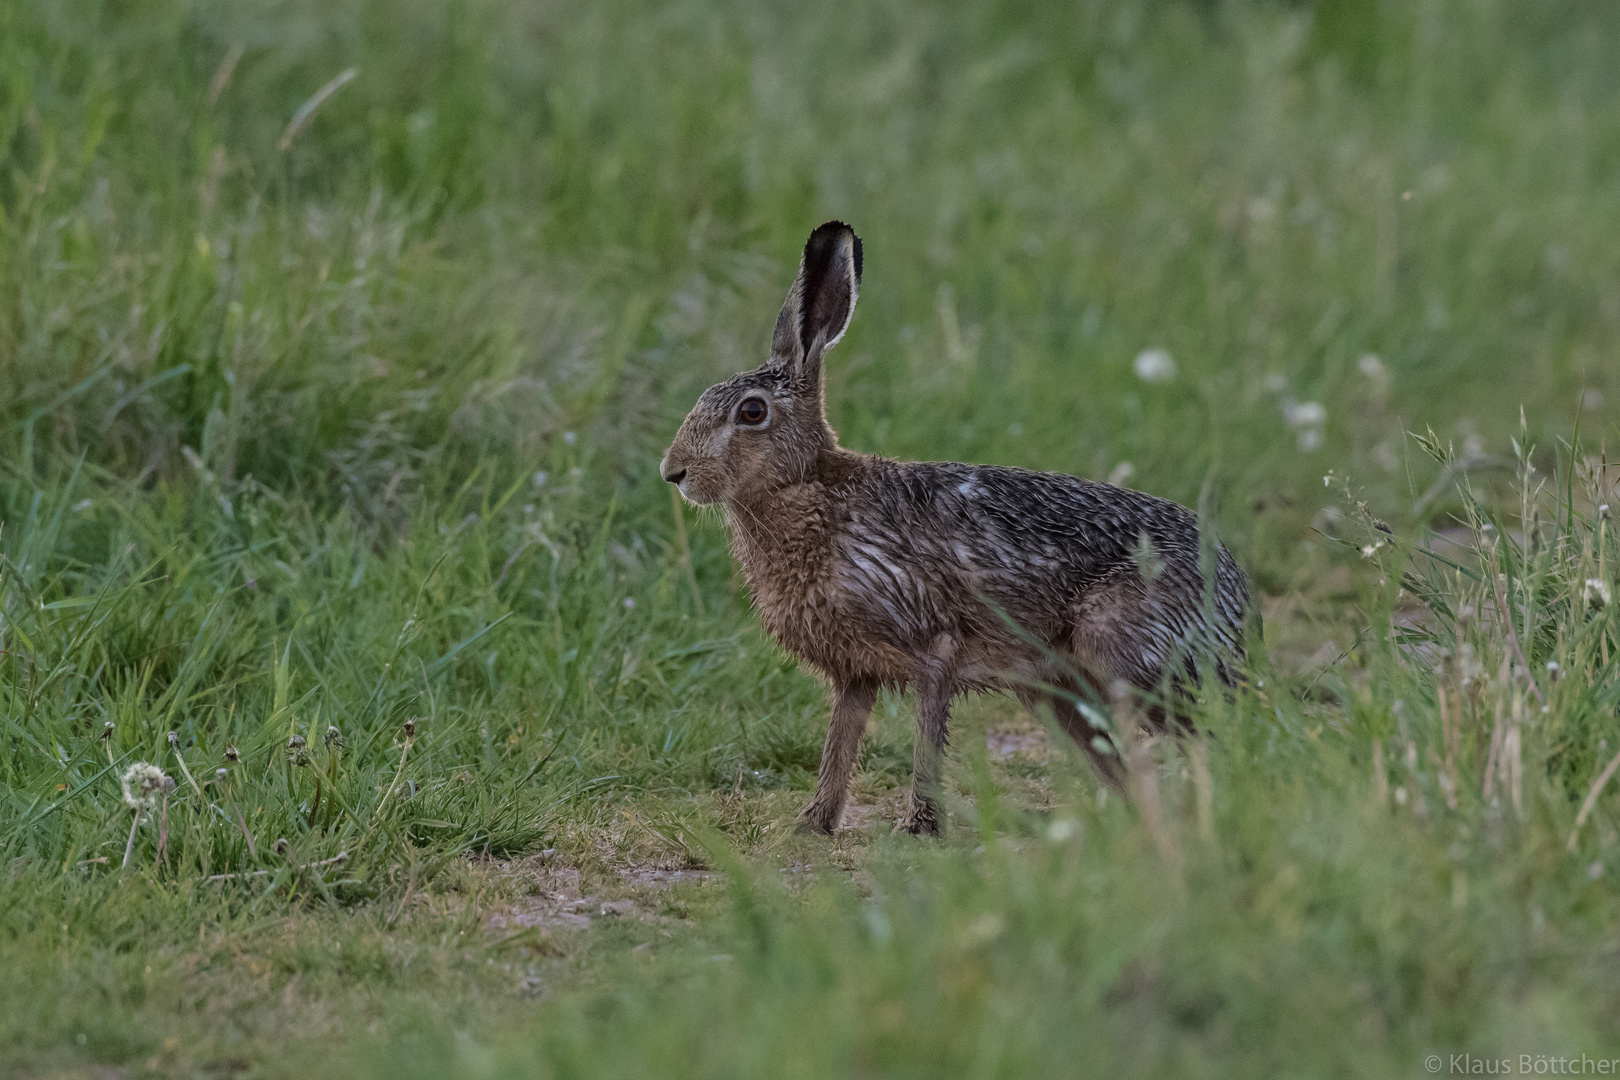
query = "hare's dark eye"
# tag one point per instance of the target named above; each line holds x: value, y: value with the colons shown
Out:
x: 751, y: 411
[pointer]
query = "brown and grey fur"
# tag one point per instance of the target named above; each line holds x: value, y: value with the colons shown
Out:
x: 942, y: 577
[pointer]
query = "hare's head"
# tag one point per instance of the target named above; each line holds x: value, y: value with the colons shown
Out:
x: 763, y: 429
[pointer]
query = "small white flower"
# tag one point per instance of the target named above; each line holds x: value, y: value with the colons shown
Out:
x: 629, y: 603
x: 1592, y: 400
x: 1372, y: 367
x: 1277, y: 383
x: 1596, y: 592
x: 570, y: 438
x: 1154, y: 366
x: 143, y: 783
x: 540, y: 478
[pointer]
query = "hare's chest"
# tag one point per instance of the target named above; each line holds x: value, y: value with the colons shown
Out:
x: 790, y: 561
x: 794, y: 601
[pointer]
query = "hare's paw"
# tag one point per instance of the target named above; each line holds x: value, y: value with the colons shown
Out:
x: 820, y: 818
x: 922, y: 817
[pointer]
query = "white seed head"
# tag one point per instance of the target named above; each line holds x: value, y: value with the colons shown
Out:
x: 1304, y: 414
x: 1155, y: 366
x: 1596, y: 592
x: 1372, y: 367
x: 143, y: 783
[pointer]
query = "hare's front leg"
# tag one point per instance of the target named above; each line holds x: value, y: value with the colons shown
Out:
x: 851, y: 708
x: 924, y: 814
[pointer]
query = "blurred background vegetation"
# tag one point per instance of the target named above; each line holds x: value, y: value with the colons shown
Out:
x: 345, y: 416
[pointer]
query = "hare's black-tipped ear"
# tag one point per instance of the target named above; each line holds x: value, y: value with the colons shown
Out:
x: 821, y: 302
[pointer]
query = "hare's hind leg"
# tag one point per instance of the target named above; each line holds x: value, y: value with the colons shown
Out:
x: 851, y: 708
x: 1104, y: 760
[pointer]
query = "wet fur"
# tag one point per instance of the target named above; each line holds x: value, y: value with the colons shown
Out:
x: 941, y: 577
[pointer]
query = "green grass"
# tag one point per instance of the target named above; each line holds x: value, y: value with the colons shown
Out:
x: 354, y: 426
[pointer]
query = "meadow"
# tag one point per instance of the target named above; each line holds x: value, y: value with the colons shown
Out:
x: 338, y: 344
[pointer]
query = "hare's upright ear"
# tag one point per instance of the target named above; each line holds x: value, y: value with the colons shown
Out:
x: 820, y: 304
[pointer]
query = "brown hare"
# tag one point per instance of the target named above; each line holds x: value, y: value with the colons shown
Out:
x: 943, y: 577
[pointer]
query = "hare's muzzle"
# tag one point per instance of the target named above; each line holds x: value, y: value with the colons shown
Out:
x: 675, y: 476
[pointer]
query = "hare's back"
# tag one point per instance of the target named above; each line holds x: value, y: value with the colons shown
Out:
x: 1046, y: 525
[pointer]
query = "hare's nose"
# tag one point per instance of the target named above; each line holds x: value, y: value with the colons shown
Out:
x: 675, y: 476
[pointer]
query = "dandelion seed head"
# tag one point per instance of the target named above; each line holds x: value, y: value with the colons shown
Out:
x: 143, y: 783
x: 1154, y: 366
x: 1303, y: 414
